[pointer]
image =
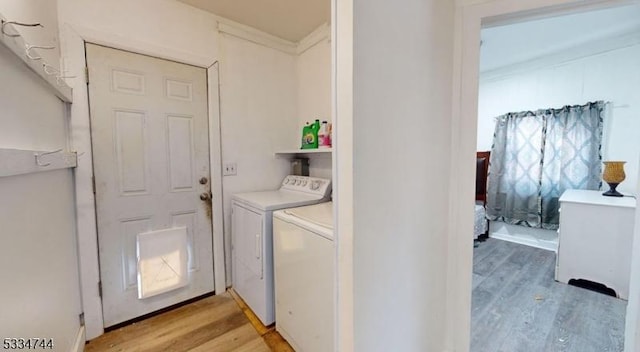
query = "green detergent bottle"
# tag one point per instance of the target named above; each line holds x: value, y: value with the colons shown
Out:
x: 310, y: 135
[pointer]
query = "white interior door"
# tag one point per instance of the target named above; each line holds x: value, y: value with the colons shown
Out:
x: 150, y: 141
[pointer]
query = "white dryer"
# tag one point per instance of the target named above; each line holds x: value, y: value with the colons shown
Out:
x: 304, y: 262
x: 252, y: 237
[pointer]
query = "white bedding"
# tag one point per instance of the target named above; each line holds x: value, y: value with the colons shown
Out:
x: 480, y: 224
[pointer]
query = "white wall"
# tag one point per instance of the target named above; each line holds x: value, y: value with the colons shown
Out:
x: 402, y: 84
x: 167, y: 26
x: 40, y: 294
x: 342, y: 40
x: 632, y: 319
x: 36, y: 11
x: 162, y: 28
x: 612, y: 76
x: 313, y: 70
x: 258, y: 101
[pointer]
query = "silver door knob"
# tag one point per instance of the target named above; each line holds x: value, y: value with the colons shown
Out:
x: 204, y: 196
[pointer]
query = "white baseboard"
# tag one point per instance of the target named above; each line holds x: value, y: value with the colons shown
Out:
x: 78, y: 346
x: 525, y: 241
x: 533, y: 237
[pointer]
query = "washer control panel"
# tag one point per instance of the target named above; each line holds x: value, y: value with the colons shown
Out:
x: 314, y: 185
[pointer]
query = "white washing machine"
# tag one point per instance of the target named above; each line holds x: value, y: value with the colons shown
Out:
x: 252, y: 237
x: 304, y: 262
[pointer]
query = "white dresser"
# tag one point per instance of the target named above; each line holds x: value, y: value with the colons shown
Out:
x: 595, y: 239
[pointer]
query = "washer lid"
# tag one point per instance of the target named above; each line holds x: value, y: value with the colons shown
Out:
x: 274, y: 200
x: 318, y: 214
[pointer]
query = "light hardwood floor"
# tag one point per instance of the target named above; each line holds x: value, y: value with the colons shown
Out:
x: 216, y: 323
x: 518, y: 306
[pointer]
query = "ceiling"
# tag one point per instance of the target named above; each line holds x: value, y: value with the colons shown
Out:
x: 288, y: 19
x: 520, y: 42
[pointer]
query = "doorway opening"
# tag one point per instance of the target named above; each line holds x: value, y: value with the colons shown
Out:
x: 522, y: 297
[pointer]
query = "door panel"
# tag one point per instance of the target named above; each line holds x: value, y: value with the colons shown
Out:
x: 131, y: 152
x: 149, y: 132
x: 180, y: 137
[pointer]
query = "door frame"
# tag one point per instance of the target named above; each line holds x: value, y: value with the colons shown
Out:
x: 74, y: 60
x: 468, y: 23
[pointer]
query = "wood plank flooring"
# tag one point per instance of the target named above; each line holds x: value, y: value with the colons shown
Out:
x: 518, y: 306
x: 273, y: 339
x: 216, y: 323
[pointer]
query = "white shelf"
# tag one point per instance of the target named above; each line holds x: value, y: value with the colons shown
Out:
x: 293, y: 152
x: 19, y: 162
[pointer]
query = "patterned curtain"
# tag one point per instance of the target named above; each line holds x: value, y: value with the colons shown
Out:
x: 536, y: 156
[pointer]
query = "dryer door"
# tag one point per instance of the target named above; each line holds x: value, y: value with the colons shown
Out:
x: 252, y: 261
x: 247, y: 227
